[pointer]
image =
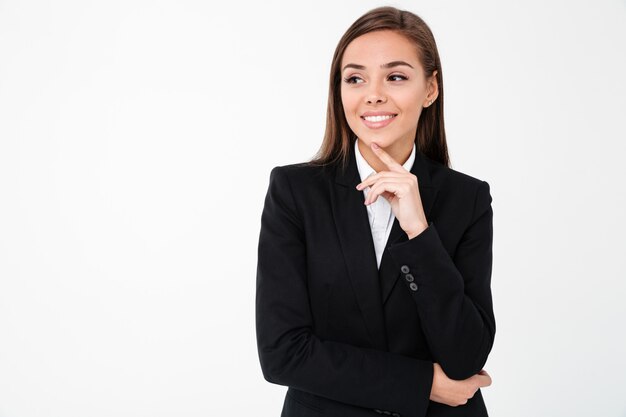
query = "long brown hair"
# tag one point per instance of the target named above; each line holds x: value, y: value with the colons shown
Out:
x: 430, y: 138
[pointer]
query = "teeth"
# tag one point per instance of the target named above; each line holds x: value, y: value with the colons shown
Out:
x: 378, y: 118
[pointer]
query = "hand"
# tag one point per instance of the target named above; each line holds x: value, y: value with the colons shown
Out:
x: 453, y: 392
x: 399, y: 187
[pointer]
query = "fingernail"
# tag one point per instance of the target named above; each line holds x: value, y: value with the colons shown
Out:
x: 375, y: 146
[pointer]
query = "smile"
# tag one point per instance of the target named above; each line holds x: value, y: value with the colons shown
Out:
x: 376, y: 122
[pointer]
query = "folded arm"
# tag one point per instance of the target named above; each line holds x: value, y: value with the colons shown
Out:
x: 453, y: 296
x: 292, y: 355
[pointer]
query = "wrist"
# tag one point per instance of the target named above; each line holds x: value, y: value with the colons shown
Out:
x: 413, y: 233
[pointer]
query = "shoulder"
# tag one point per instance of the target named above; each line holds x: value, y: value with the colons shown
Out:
x: 301, y: 174
x: 299, y: 188
x: 456, y: 185
x: 443, y: 175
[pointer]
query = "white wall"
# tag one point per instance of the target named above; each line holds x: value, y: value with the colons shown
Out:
x: 136, y: 140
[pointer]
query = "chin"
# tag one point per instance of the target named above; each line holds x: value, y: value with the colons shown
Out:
x: 382, y: 141
x: 368, y: 141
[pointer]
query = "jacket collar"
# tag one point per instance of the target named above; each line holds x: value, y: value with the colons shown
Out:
x: 372, y: 287
x: 350, y: 175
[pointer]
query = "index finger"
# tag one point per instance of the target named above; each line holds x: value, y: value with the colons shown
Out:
x: 391, y: 163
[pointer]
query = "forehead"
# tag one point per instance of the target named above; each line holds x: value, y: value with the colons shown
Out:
x: 380, y: 47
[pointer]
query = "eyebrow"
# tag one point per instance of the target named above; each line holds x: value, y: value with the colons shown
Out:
x: 383, y: 66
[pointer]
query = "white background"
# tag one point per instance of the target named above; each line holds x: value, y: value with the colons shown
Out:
x: 136, y: 141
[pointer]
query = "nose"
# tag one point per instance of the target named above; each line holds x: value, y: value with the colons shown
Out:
x: 376, y: 98
x: 375, y: 95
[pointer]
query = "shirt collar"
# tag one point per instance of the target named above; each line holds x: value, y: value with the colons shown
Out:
x: 365, y: 170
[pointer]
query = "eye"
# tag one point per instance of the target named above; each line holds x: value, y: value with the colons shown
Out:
x: 349, y: 79
x: 403, y: 78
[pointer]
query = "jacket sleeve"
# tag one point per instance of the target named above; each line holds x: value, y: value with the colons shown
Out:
x: 453, y: 296
x: 292, y: 355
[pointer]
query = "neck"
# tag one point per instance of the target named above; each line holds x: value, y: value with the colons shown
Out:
x: 400, y: 152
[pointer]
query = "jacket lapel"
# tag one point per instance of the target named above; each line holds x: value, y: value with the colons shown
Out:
x: 355, y: 237
x: 371, y: 286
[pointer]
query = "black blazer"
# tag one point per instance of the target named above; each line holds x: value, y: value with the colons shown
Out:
x: 350, y: 339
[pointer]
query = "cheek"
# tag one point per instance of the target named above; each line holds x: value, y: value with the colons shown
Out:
x: 345, y: 100
x: 410, y: 102
x: 350, y: 109
x: 349, y: 102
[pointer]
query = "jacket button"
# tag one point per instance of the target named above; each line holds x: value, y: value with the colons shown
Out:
x: 395, y: 415
x: 409, y: 277
x: 413, y: 286
x: 378, y: 411
x: 405, y: 269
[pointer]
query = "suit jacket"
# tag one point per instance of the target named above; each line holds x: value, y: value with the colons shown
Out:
x: 350, y: 339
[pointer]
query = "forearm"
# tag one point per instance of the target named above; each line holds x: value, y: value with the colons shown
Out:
x: 453, y: 296
x: 354, y: 375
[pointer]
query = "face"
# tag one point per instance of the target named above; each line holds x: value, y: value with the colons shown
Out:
x: 396, y: 93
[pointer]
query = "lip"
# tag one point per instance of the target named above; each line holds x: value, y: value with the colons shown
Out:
x: 377, y: 125
x: 377, y: 113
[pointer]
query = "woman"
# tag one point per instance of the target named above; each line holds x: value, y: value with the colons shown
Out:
x: 374, y: 259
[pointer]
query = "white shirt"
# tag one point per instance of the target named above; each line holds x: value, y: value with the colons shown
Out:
x: 380, y: 215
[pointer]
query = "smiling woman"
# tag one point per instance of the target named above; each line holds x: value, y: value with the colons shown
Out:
x: 371, y: 305
x: 382, y: 103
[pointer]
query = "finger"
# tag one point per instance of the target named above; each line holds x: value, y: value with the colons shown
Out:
x: 385, y: 194
x: 483, y: 380
x: 485, y: 374
x: 372, y: 194
x: 375, y: 177
x: 391, y: 163
x: 392, y: 187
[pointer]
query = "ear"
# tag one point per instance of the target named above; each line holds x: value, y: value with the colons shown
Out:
x: 432, y: 88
